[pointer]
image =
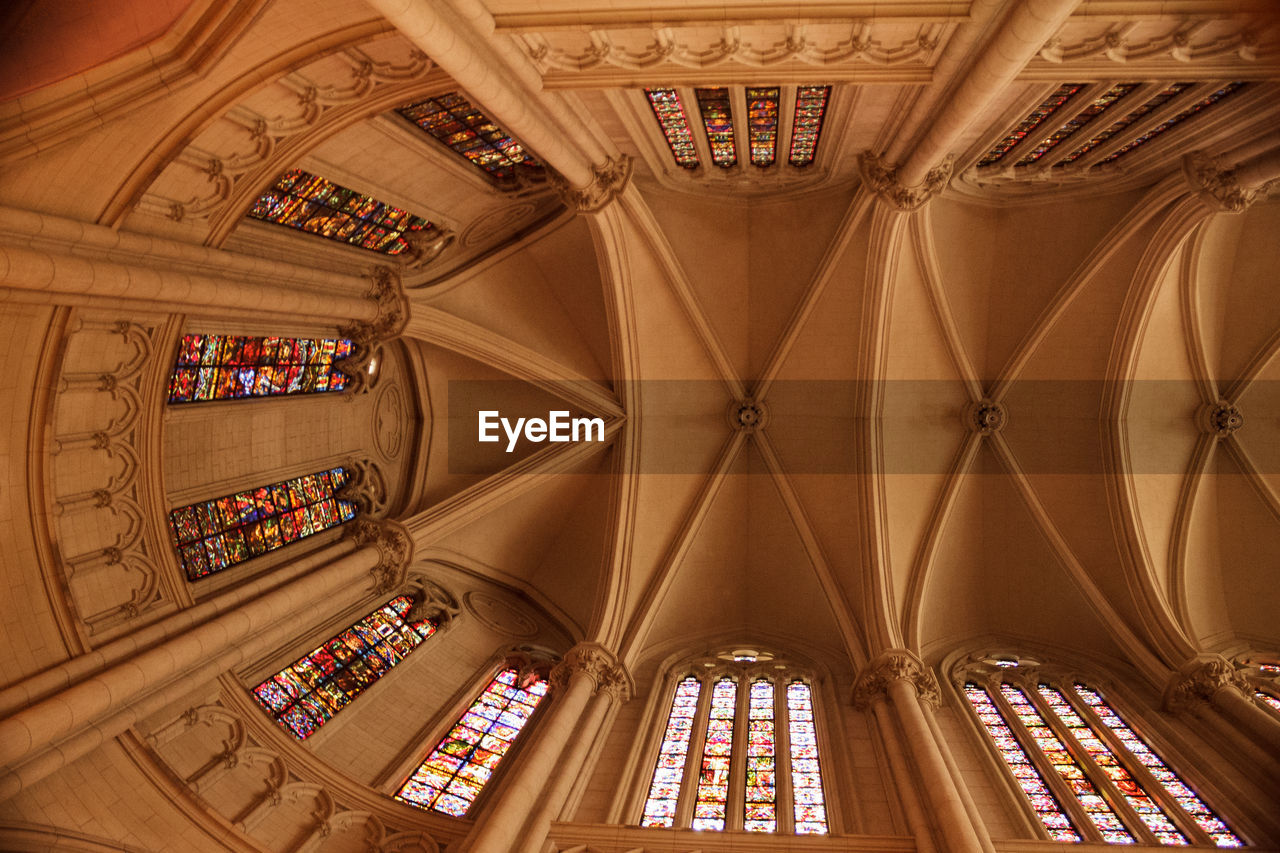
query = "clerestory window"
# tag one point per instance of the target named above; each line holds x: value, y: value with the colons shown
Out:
x: 739, y: 750
x: 1087, y: 773
x: 233, y: 367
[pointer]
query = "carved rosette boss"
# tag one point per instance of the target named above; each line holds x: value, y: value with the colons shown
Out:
x: 895, y: 665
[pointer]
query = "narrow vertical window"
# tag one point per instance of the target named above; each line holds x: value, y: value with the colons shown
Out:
x: 806, y: 777
x: 309, y: 203
x: 305, y: 695
x: 455, y: 772
x: 233, y: 367
x: 1132, y: 791
x: 457, y: 123
x: 1268, y: 699
x: 1182, y: 794
x: 1098, y: 106
x: 762, y: 124
x: 761, y: 811
x: 806, y: 124
x: 1095, y: 806
x: 1043, y: 802
x: 717, y: 119
x: 1187, y: 113
x: 214, y: 535
x: 669, y: 112
x: 1033, y: 120
x: 1160, y: 99
x: 709, y: 808
x: 664, y: 790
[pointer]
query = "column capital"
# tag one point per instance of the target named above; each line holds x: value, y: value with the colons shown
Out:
x: 882, y: 177
x: 592, y: 660
x: 1200, y: 680
x: 609, y: 180
x: 387, y: 294
x: 395, y: 550
x: 895, y: 665
x: 1217, y: 185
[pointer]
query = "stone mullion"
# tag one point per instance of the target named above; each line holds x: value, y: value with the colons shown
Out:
x: 1138, y: 770
x: 1064, y: 795
x: 1092, y: 770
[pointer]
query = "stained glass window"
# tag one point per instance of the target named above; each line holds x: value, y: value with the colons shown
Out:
x: 214, y: 535
x: 1170, y: 781
x: 761, y: 813
x: 309, y: 203
x: 1043, y: 802
x: 1268, y: 699
x: 1187, y: 113
x: 1099, y: 105
x: 664, y: 790
x: 717, y: 119
x: 806, y: 778
x: 709, y: 808
x: 230, y: 367
x: 1037, y: 116
x: 306, y: 694
x: 806, y: 124
x: 762, y: 124
x: 1161, y: 98
x: 455, y: 772
x: 671, y: 117
x: 457, y: 123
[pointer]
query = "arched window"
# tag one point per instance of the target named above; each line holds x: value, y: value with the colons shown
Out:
x: 216, y: 534
x: 309, y: 203
x: 1086, y: 773
x: 233, y: 367
x: 305, y: 695
x: 739, y: 750
x: 1264, y: 680
x: 456, y: 771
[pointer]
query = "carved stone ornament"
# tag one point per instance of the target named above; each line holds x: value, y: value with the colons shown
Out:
x: 1222, y: 419
x: 747, y: 415
x: 388, y: 294
x: 610, y: 179
x: 987, y: 417
x: 395, y: 550
x: 1201, y: 679
x: 895, y: 665
x: 1217, y: 185
x: 426, y: 246
x: 591, y: 659
x: 883, y: 178
x: 433, y: 602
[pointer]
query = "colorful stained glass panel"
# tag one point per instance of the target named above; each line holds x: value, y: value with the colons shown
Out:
x: 717, y: 119
x: 1033, y: 120
x: 762, y: 124
x: 309, y: 203
x: 1159, y: 100
x: 806, y: 123
x: 216, y: 534
x: 810, y: 808
x: 231, y: 367
x: 304, y: 695
x: 455, y: 772
x: 761, y: 799
x: 664, y: 790
x: 1213, y: 98
x: 709, y: 807
x: 1098, y: 106
x: 1268, y: 699
x: 457, y: 123
x: 669, y: 111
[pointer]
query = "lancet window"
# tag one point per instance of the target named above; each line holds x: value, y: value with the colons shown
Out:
x: 309, y: 203
x: 461, y: 764
x: 739, y: 750
x: 217, y: 534
x: 233, y: 367
x: 305, y: 695
x: 462, y: 127
x: 1264, y: 680
x: 1086, y: 773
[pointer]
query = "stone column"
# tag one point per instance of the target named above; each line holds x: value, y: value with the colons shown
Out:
x: 573, y: 680
x: 56, y: 730
x: 901, y: 677
x: 1213, y: 690
x: 614, y: 688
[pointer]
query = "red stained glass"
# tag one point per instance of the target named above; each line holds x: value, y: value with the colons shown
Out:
x: 457, y: 123
x: 669, y: 112
x: 1213, y: 98
x: 664, y: 790
x: 1033, y: 120
x: 762, y: 124
x: 806, y: 123
x: 761, y: 794
x: 806, y: 783
x: 717, y: 119
x: 709, y: 807
x: 231, y: 367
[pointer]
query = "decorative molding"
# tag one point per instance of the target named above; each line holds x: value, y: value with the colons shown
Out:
x: 1217, y: 185
x: 882, y: 177
x: 434, y: 602
x: 747, y: 415
x: 1200, y: 679
x: 986, y: 417
x: 1221, y: 419
x: 387, y: 293
x: 395, y: 550
x: 610, y: 179
x: 895, y: 665
x: 1134, y: 41
x: 499, y: 616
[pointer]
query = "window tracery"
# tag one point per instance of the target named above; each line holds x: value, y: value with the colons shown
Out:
x: 305, y: 695
x: 216, y: 534
x: 1086, y: 774
x: 234, y: 367
x: 471, y: 134
x: 739, y: 750
x: 455, y: 772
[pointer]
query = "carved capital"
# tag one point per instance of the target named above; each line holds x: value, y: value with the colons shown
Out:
x: 610, y: 179
x: 1200, y: 679
x: 426, y: 246
x: 883, y: 178
x: 387, y: 292
x: 433, y: 602
x: 395, y: 550
x: 590, y: 659
x: 895, y: 665
x: 1217, y: 185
